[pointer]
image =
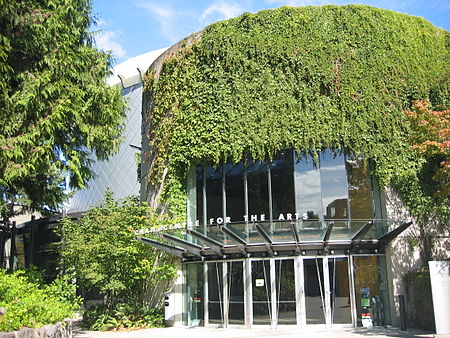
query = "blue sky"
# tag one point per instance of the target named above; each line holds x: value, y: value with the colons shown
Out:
x: 131, y: 27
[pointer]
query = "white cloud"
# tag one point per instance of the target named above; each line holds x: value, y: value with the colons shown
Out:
x: 166, y: 17
x: 220, y: 10
x: 107, y: 40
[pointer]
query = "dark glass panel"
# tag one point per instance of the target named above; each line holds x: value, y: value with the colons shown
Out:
x: 333, y: 179
x: 308, y: 202
x: 199, y: 193
x: 236, y: 286
x: 282, y: 183
x: 214, y: 206
x: 215, y: 293
x: 360, y: 191
x: 314, y: 291
x: 339, y: 291
x: 234, y: 187
x: 285, y: 282
x: 258, y: 189
x: 194, y: 294
x: 261, y: 292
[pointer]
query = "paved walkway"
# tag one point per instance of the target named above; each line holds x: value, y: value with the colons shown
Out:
x: 201, y: 332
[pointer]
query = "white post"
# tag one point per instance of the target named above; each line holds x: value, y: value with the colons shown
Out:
x: 440, y: 287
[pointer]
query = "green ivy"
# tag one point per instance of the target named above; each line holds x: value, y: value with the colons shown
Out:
x: 306, y: 78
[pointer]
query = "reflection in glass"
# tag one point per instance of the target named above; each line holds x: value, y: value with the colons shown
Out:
x: 261, y: 292
x: 234, y: 187
x: 199, y: 193
x: 360, y: 191
x: 214, y: 194
x: 334, y: 185
x: 215, y: 293
x: 282, y: 183
x: 236, y: 287
x: 194, y: 294
x: 314, y: 291
x: 285, y: 282
x: 367, y: 276
x: 258, y: 189
x: 339, y: 291
x: 308, y: 202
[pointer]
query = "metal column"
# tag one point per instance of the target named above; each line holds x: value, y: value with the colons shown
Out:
x: 300, y: 291
x: 205, y: 295
x: 327, y: 292
x: 351, y: 278
x: 225, y: 297
x: 273, y: 295
x: 248, y: 298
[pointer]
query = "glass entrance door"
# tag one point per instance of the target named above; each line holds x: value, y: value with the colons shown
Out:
x: 340, y: 302
x: 314, y: 291
x: 261, y: 292
x: 285, y: 288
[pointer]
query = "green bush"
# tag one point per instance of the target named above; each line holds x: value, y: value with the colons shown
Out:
x: 29, y: 302
x: 122, y: 316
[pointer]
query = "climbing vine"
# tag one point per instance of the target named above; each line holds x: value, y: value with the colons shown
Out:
x: 306, y: 78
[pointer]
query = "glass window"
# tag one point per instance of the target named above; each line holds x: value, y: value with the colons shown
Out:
x: 199, y: 193
x: 215, y: 293
x: 214, y: 205
x: 236, y: 287
x: 234, y: 187
x: 285, y: 283
x: 261, y: 292
x: 308, y: 202
x: 258, y: 189
x: 333, y: 179
x: 194, y: 294
x: 282, y: 183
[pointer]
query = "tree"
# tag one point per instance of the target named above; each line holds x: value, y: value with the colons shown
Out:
x: 426, y: 191
x: 102, y: 252
x: 431, y: 139
x: 56, y: 110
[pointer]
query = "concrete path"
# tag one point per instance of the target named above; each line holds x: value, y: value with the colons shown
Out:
x: 201, y: 332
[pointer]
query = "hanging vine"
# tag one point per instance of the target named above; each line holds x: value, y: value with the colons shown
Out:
x: 306, y: 78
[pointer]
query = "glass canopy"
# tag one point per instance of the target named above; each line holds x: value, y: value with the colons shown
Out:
x: 286, y: 238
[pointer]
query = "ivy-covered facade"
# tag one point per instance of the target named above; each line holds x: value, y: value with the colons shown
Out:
x: 271, y: 137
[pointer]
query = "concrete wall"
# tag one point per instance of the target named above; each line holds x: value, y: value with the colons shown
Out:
x: 403, y: 256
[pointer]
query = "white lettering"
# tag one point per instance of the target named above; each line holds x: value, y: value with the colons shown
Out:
x: 227, y: 219
x: 245, y: 218
x: 281, y: 217
x: 211, y: 221
x: 219, y: 220
x: 254, y: 218
x: 263, y: 217
x: 297, y: 216
x: 197, y: 223
x: 289, y: 217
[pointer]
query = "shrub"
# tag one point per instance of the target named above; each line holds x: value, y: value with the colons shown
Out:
x: 29, y: 302
x: 122, y: 316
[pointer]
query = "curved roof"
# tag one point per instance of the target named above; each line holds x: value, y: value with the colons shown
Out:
x: 131, y: 71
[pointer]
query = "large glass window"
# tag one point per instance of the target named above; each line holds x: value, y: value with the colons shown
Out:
x: 308, y: 199
x: 261, y: 288
x: 292, y: 187
x: 234, y: 187
x: 334, y: 187
x: 199, y: 193
x: 236, y: 287
x: 258, y: 189
x: 282, y: 183
x: 214, y: 194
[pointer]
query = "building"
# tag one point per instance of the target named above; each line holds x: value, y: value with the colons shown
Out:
x: 273, y: 130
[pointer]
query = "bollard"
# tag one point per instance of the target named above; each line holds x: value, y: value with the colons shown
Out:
x: 401, y: 299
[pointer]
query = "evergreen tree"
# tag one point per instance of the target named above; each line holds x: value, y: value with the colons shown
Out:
x: 56, y: 110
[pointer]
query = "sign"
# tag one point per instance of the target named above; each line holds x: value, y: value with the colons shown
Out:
x: 259, y: 282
